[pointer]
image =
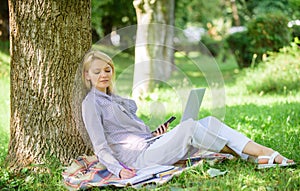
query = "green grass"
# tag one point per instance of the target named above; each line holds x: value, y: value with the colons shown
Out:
x: 270, y: 119
x: 4, y: 99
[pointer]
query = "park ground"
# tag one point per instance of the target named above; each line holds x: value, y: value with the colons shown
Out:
x: 272, y: 119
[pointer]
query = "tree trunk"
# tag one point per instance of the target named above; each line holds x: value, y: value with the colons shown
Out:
x: 48, y: 40
x: 235, y: 14
x: 154, y: 52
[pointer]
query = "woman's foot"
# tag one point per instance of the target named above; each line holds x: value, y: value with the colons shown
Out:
x: 277, y: 160
x: 273, y: 160
x: 266, y: 157
x: 256, y: 150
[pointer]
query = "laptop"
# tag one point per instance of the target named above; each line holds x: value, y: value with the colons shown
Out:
x: 192, y: 107
x: 193, y: 104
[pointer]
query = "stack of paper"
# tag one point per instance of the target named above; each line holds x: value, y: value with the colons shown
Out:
x: 149, y: 173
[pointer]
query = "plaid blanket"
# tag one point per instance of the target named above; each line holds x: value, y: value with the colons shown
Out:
x: 86, y: 172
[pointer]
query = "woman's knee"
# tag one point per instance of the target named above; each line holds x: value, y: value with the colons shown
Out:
x: 188, y: 126
x: 212, y: 118
x: 207, y: 120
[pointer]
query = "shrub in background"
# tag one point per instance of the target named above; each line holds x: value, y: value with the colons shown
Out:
x: 239, y: 44
x: 268, y: 32
x: 280, y: 73
x: 296, y: 31
x: 214, y: 46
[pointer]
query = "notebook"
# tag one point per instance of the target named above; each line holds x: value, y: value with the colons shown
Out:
x: 192, y: 107
x: 149, y: 173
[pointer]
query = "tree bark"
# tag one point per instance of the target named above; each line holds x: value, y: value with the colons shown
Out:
x: 154, y: 53
x: 235, y: 14
x: 48, y: 40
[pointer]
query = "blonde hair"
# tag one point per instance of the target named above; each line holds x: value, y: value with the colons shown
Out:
x: 87, y: 61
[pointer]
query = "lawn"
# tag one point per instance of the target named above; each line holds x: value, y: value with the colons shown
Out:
x: 270, y: 119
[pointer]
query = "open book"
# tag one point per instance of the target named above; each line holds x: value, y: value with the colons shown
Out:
x: 149, y: 173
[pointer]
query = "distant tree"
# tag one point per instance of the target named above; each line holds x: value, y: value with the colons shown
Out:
x: 235, y: 14
x: 198, y: 12
x: 153, y: 52
x: 108, y: 15
x: 4, y: 23
x: 295, y: 8
x: 270, y: 6
x: 48, y: 40
x: 250, y: 9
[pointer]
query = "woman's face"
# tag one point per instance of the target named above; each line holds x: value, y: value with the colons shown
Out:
x: 100, y: 74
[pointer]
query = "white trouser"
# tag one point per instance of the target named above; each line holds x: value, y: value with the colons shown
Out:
x: 206, y: 134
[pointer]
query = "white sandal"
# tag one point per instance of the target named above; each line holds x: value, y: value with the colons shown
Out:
x: 271, y: 161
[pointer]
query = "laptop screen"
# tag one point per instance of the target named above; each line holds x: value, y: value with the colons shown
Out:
x: 193, y: 104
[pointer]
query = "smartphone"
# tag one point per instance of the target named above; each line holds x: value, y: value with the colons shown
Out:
x: 170, y: 120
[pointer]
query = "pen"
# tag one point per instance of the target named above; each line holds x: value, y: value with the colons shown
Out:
x: 124, y: 166
x: 170, y: 172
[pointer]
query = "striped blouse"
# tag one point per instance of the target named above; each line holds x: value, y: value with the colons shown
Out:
x: 116, y: 133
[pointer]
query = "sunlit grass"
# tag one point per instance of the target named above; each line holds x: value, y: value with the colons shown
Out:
x: 4, y: 117
x: 270, y: 119
x: 4, y: 65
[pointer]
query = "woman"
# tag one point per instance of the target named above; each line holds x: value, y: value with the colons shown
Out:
x: 119, y: 137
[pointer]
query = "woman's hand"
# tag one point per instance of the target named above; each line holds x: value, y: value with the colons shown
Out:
x: 161, y: 130
x: 127, y: 173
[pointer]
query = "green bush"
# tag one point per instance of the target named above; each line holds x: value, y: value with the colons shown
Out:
x: 268, y: 32
x: 280, y: 73
x: 296, y: 31
x: 239, y: 45
x: 214, y: 46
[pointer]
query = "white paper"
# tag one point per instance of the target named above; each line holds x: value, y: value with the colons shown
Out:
x: 147, y: 173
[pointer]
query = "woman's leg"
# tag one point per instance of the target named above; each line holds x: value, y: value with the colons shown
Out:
x: 255, y: 149
x: 207, y: 134
x: 236, y: 140
x: 228, y: 150
x: 237, y: 143
x: 178, y: 143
